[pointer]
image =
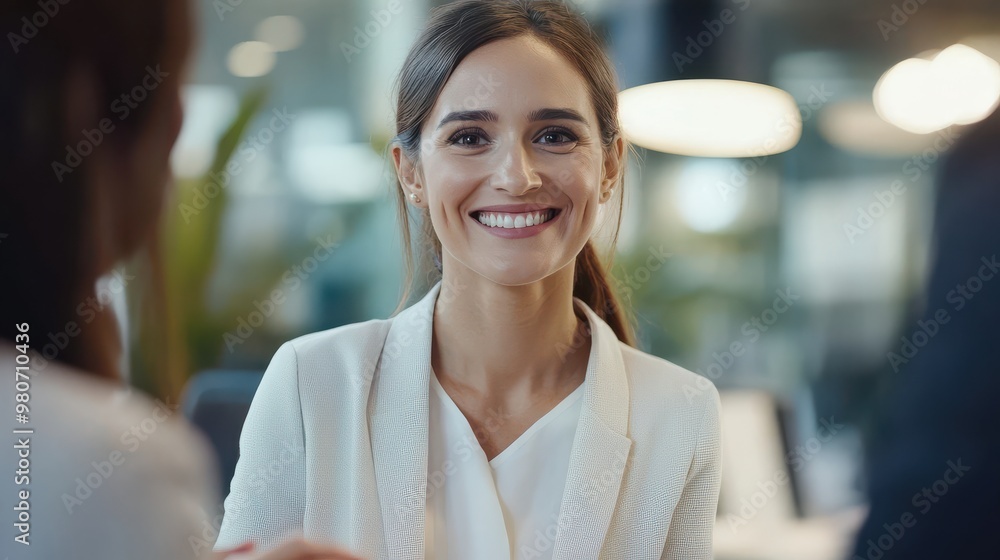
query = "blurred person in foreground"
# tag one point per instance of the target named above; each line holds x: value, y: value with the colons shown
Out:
x: 89, y: 111
x: 934, y: 467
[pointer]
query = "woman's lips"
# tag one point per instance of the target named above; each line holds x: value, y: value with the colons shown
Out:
x: 516, y: 232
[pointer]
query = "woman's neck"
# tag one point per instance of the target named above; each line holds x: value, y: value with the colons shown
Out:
x: 506, y: 343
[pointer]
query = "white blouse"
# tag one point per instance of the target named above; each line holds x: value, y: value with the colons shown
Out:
x: 506, y: 508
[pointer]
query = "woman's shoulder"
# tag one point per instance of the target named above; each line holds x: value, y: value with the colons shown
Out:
x: 673, y: 412
x: 666, y: 386
x: 331, y: 355
x: 101, y: 453
x: 336, y: 338
x: 89, y: 415
x: 78, y: 408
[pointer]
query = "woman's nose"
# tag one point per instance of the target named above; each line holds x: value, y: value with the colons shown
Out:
x: 516, y: 172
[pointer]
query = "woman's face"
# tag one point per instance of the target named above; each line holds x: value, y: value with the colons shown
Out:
x: 142, y: 174
x: 514, y: 126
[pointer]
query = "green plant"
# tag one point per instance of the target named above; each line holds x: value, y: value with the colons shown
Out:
x: 175, y: 328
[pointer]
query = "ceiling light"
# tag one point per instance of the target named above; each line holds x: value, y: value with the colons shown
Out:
x: 958, y: 85
x: 250, y: 59
x: 711, y: 118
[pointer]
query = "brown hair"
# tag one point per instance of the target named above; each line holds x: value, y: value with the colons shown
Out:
x: 454, y: 31
x: 47, y: 247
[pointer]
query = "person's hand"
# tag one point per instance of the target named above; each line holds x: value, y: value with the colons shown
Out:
x: 233, y: 552
x: 292, y: 549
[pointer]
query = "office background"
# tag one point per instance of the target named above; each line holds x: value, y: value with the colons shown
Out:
x: 793, y: 280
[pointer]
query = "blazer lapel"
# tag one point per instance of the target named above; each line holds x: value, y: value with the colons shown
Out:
x: 399, y: 430
x: 600, y: 449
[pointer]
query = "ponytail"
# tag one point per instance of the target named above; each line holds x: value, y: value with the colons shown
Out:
x: 590, y: 284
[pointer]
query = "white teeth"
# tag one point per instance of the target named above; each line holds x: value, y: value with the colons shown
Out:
x: 515, y: 221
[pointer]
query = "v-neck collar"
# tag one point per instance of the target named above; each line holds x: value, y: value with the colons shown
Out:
x: 399, y: 435
x: 567, y: 401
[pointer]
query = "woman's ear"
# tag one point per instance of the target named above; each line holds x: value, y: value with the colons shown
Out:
x: 406, y: 170
x: 614, y: 159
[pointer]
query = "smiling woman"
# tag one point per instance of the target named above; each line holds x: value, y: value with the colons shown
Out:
x: 444, y: 113
x: 513, y: 388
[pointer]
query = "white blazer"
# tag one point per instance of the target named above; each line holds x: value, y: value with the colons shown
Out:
x: 335, y: 447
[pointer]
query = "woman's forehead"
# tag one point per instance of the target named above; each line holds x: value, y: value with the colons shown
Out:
x: 512, y: 77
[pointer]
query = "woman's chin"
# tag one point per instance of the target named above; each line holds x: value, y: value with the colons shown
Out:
x: 516, y: 276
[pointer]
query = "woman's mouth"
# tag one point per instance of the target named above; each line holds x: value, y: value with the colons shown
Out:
x: 515, y: 220
x: 516, y: 225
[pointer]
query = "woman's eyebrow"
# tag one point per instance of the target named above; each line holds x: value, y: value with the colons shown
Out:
x: 556, y: 114
x: 482, y: 116
x: 547, y: 114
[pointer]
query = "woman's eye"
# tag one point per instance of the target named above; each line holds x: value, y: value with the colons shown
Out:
x: 473, y: 138
x: 557, y: 137
x: 466, y: 138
